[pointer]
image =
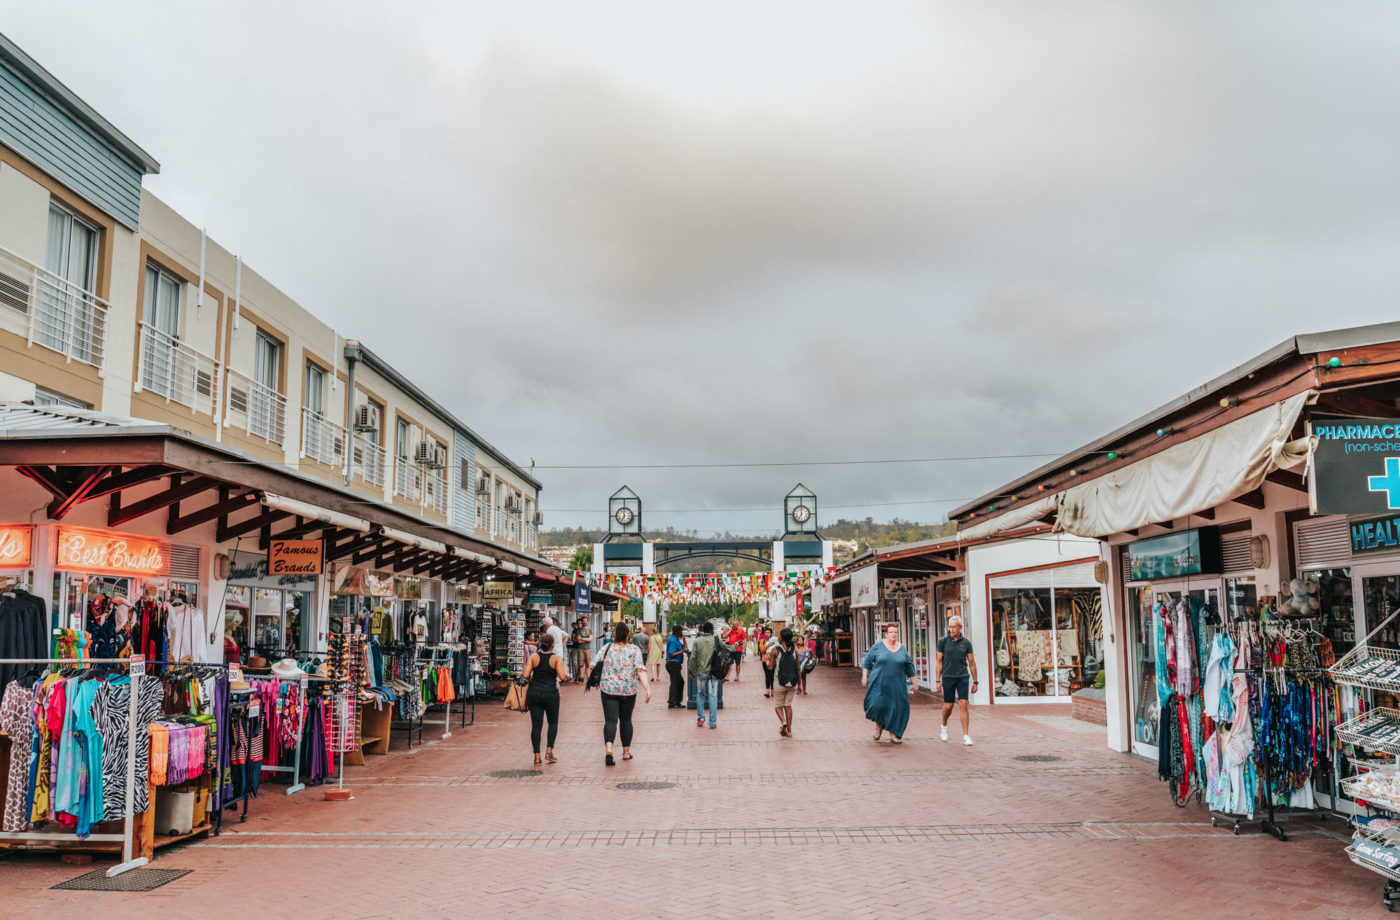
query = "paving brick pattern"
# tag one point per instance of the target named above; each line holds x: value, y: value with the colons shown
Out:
x: 826, y: 824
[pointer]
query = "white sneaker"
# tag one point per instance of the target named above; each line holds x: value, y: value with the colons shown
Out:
x: 967, y: 740
x: 943, y: 733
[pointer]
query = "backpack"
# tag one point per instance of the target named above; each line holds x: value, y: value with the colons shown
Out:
x: 807, y: 661
x: 786, y: 670
x: 721, y: 660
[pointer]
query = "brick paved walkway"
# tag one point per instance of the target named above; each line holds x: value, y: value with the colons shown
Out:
x: 827, y: 824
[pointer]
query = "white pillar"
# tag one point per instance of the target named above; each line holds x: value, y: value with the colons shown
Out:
x: 648, y: 568
x: 598, y: 565
x: 828, y: 559
x: 777, y: 555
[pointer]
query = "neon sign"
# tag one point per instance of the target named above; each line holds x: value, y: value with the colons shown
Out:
x: 95, y: 551
x: 15, y: 543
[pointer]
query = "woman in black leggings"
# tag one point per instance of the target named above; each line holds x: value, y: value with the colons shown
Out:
x: 544, y: 670
x: 623, y: 669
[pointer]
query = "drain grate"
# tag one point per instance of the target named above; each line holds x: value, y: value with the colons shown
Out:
x: 131, y: 880
x: 644, y: 787
x: 514, y: 774
x: 1037, y: 758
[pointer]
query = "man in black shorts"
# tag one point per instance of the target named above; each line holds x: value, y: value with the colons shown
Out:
x: 957, y: 668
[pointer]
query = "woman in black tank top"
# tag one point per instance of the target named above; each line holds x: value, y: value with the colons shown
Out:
x: 544, y: 670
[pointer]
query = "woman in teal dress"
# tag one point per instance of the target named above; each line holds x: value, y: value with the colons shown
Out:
x: 885, y: 674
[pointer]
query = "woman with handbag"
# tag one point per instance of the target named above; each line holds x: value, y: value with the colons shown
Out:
x: 543, y: 671
x: 620, y: 668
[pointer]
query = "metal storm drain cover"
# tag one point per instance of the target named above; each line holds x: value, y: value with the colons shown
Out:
x: 131, y: 880
x: 1038, y: 758
x: 514, y: 774
x: 644, y: 787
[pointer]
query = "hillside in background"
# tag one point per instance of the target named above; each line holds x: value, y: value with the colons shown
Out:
x: 852, y: 538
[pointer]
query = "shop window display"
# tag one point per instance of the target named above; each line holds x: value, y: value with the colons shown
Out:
x: 1335, y: 606
x: 1046, y: 642
x: 1147, y: 710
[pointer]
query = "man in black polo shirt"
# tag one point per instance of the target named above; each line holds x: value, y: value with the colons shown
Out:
x: 957, y: 669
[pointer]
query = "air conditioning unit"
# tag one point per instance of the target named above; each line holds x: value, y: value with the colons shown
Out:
x: 483, y: 485
x: 439, y: 456
x: 367, y: 418
x: 424, y: 454
x: 539, y: 518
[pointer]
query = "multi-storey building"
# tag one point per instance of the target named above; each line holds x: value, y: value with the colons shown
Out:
x: 121, y: 320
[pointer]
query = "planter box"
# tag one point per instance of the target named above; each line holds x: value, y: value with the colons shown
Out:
x: 1090, y: 706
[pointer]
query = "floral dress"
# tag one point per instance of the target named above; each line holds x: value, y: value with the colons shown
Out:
x: 621, y: 662
x: 17, y: 721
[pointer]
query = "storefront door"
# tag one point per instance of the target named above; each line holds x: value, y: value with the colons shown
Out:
x: 920, y: 646
x: 1141, y: 601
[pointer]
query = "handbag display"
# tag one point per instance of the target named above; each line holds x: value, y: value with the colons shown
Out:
x: 515, y: 696
x: 1004, y: 652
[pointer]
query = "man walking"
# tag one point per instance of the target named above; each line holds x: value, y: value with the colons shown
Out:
x: 583, y: 648
x: 559, y: 638
x: 781, y: 661
x: 702, y: 653
x: 675, y: 660
x: 735, y: 640
x: 956, y: 668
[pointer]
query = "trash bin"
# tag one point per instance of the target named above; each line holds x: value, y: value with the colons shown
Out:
x: 690, y: 693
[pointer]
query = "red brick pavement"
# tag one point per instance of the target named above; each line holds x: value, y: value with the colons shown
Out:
x: 826, y: 824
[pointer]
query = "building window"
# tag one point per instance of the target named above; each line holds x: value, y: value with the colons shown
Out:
x: 314, y: 396
x: 267, y: 361
x: 43, y: 397
x: 72, y: 248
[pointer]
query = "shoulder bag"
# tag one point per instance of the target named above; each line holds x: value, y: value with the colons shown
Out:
x: 515, y: 696
x: 595, y: 676
x: 1004, y: 652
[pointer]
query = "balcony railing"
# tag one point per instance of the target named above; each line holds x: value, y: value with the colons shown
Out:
x: 369, y: 460
x: 51, y: 312
x: 321, y: 439
x: 436, y: 497
x: 177, y: 372
x: 408, y: 479
x: 256, y: 408
x: 483, y: 513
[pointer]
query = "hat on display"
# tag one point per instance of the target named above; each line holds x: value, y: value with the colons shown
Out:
x: 256, y: 663
x: 239, y: 685
x: 288, y: 667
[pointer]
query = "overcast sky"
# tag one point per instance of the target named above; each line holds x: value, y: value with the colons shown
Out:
x: 653, y: 233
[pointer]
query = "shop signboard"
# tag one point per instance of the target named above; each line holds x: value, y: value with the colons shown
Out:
x: 250, y: 570
x: 409, y: 589
x: 496, y: 592
x: 98, y: 551
x: 349, y: 579
x: 295, y: 557
x: 466, y: 594
x: 1173, y: 555
x: 1356, y: 467
x: 1375, y: 535
x: 865, y: 587
x: 583, y: 597
x: 541, y: 596
x: 16, y: 542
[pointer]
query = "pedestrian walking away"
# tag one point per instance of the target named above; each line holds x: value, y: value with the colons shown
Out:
x: 656, y: 653
x: 702, y: 652
x: 781, y: 662
x: 675, y: 660
x: 583, y: 649
x: 624, y: 669
x: 549, y: 626
x: 543, y: 670
x: 885, y: 674
x: 642, y: 639
x: 765, y: 643
x: 735, y: 639
x: 956, y: 668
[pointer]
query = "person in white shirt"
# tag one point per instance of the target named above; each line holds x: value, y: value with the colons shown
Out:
x: 553, y: 629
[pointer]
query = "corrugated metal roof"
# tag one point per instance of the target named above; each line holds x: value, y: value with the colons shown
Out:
x: 23, y: 419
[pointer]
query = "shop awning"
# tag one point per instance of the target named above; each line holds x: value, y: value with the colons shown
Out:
x: 1189, y: 477
x: 313, y: 513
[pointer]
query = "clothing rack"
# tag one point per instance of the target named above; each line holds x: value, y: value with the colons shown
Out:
x: 439, y: 656
x: 126, y: 837
x: 295, y: 769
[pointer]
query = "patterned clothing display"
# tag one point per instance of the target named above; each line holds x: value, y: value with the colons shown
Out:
x: 18, y: 724
x: 111, y: 711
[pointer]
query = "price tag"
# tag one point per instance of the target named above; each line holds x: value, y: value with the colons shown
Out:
x: 235, y: 672
x: 138, y: 665
x: 253, y: 709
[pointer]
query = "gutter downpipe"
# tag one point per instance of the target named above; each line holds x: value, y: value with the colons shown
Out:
x: 352, y: 355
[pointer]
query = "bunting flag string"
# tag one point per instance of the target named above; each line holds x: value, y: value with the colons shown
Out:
x: 703, y: 587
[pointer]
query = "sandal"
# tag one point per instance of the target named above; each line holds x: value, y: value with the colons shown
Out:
x: 626, y: 756
x: 608, y: 759
x: 894, y: 740
x: 550, y: 758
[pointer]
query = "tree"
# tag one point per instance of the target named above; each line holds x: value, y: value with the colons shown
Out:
x: 582, y: 560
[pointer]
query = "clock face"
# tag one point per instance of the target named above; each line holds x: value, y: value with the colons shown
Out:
x: 801, y: 513
x: 624, y: 515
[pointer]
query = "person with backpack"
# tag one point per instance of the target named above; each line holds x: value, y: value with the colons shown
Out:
x: 703, y: 655
x: 781, y: 664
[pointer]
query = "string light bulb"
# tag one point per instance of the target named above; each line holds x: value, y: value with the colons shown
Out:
x: 1112, y: 455
x: 1334, y: 362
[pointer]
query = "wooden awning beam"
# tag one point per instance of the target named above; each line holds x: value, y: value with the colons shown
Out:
x: 256, y: 522
x: 221, y: 508
x: 118, y: 515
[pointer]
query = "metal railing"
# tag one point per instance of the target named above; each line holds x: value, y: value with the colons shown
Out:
x: 179, y: 373
x: 255, y: 407
x: 52, y: 312
x: 321, y: 439
x: 408, y: 479
x: 436, y: 490
x: 483, y: 513
x: 369, y: 460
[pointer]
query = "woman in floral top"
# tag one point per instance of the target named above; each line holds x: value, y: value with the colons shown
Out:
x: 623, y: 668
